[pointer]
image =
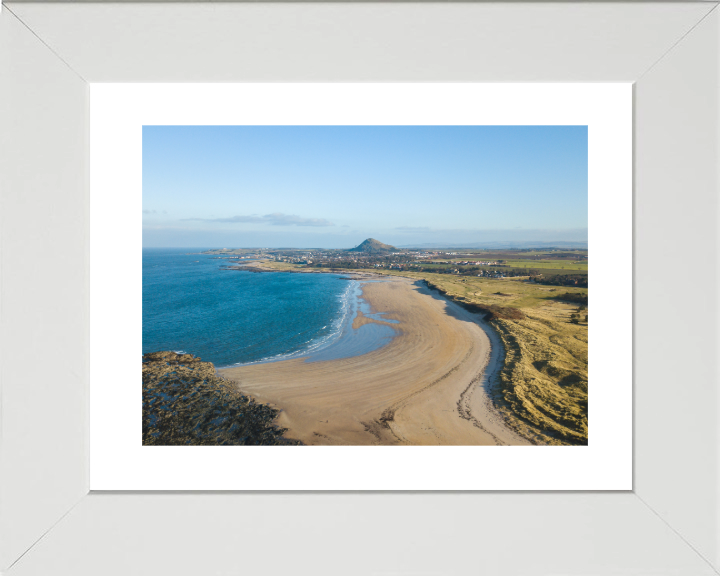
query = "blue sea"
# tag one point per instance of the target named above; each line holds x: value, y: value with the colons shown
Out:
x: 231, y: 317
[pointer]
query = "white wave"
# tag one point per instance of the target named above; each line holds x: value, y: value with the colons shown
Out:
x: 315, y: 345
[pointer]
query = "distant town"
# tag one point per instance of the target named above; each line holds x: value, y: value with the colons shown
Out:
x: 546, y: 265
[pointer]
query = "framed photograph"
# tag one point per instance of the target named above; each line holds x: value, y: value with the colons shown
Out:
x: 174, y: 97
x: 413, y: 349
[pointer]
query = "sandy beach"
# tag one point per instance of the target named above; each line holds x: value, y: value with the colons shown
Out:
x: 426, y: 387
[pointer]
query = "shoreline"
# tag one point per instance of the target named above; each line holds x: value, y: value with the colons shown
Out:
x: 358, y: 332
x: 429, y: 385
x: 477, y: 398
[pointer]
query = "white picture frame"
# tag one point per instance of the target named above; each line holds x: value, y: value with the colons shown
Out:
x: 49, y: 523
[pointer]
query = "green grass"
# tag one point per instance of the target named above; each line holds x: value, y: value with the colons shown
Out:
x: 552, y: 264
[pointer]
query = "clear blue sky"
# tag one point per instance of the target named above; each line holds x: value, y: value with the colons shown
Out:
x: 334, y: 186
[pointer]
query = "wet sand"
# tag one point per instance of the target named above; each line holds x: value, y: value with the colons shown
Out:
x: 426, y: 387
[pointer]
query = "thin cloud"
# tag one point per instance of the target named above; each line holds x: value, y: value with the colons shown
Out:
x: 426, y: 229
x: 149, y: 211
x: 233, y: 219
x: 278, y: 219
x: 413, y: 229
x: 274, y: 219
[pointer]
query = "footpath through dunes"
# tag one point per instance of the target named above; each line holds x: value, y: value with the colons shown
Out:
x: 423, y: 388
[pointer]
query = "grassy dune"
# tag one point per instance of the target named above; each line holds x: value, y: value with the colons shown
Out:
x: 543, y: 387
x: 186, y: 403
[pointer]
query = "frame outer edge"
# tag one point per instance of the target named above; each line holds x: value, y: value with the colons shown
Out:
x: 677, y: 408
x: 44, y: 292
x: 9, y: 154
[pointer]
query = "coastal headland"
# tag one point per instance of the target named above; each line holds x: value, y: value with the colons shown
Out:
x: 427, y: 386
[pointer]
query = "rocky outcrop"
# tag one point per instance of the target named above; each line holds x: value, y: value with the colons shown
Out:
x: 185, y: 402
